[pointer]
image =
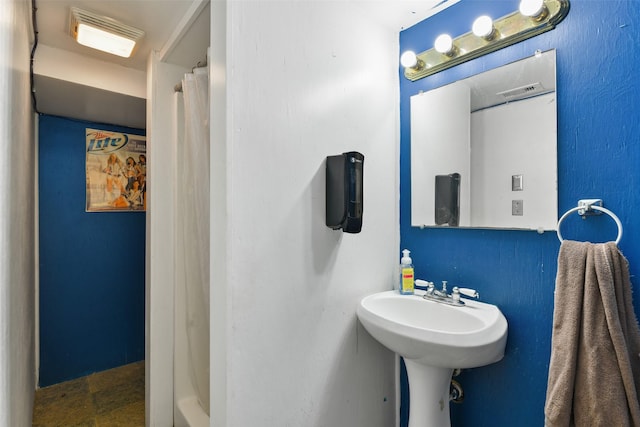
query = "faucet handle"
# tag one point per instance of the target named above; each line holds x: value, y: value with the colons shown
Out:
x: 423, y: 283
x: 471, y: 293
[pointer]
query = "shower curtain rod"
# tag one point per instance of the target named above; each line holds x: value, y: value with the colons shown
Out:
x: 200, y: 64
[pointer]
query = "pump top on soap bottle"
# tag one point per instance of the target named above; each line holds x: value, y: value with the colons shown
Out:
x: 406, y: 273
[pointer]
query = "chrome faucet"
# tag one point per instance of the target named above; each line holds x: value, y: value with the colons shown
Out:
x: 441, y: 295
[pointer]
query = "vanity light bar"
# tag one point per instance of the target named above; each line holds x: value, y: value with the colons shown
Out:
x: 508, y: 30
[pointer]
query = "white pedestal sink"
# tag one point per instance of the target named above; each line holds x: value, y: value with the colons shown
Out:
x: 434, y: 338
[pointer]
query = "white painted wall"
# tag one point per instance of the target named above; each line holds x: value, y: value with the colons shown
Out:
x: 71, y: 67
x: 17, y: 222
x: 160, y: 226
x: 219, y: 227
x: 80, y: 87
x: 510, y: 146
x: 305, y: 80
x: 438, y: 149
x: 291, y: 83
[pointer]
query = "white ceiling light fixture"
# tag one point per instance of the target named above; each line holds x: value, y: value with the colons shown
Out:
x: 103, y: 33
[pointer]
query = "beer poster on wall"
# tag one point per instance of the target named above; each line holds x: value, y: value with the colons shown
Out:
x: 116, y: 165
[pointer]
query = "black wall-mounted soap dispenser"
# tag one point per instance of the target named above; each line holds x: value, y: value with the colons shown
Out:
x: 344, y: 191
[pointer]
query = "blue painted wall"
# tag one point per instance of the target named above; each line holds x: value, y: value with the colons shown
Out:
x: 598, y: 51
x: 91, y: 264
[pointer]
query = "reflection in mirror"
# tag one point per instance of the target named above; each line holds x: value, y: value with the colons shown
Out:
x: 483, y: 149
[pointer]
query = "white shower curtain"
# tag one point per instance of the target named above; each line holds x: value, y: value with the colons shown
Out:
x: 193, y: 219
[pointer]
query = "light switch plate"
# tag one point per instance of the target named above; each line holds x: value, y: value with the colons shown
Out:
x: 516, y: 183
x: 516, y: 208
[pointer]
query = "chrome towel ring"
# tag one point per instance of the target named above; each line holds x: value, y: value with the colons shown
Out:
x: 586, y: 207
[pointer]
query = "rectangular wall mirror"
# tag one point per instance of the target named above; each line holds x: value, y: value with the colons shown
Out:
x: 484, y: 149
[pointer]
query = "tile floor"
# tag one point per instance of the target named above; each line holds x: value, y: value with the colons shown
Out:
x: 113, y: 398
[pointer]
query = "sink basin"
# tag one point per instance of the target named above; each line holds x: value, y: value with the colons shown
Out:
x: 434, y: 338
x: 433, y: 333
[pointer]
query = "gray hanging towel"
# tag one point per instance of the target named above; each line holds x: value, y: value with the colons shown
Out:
x: 594, y: 372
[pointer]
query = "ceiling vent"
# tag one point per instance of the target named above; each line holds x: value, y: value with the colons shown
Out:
x: 103, y: 33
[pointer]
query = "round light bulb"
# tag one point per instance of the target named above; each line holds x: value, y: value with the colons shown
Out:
x: 531, y: 8
x: 443, y: 44
x: 482, y: 26
x: 408, y: 59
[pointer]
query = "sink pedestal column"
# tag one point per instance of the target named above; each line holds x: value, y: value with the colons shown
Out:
x: 428, y: 395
